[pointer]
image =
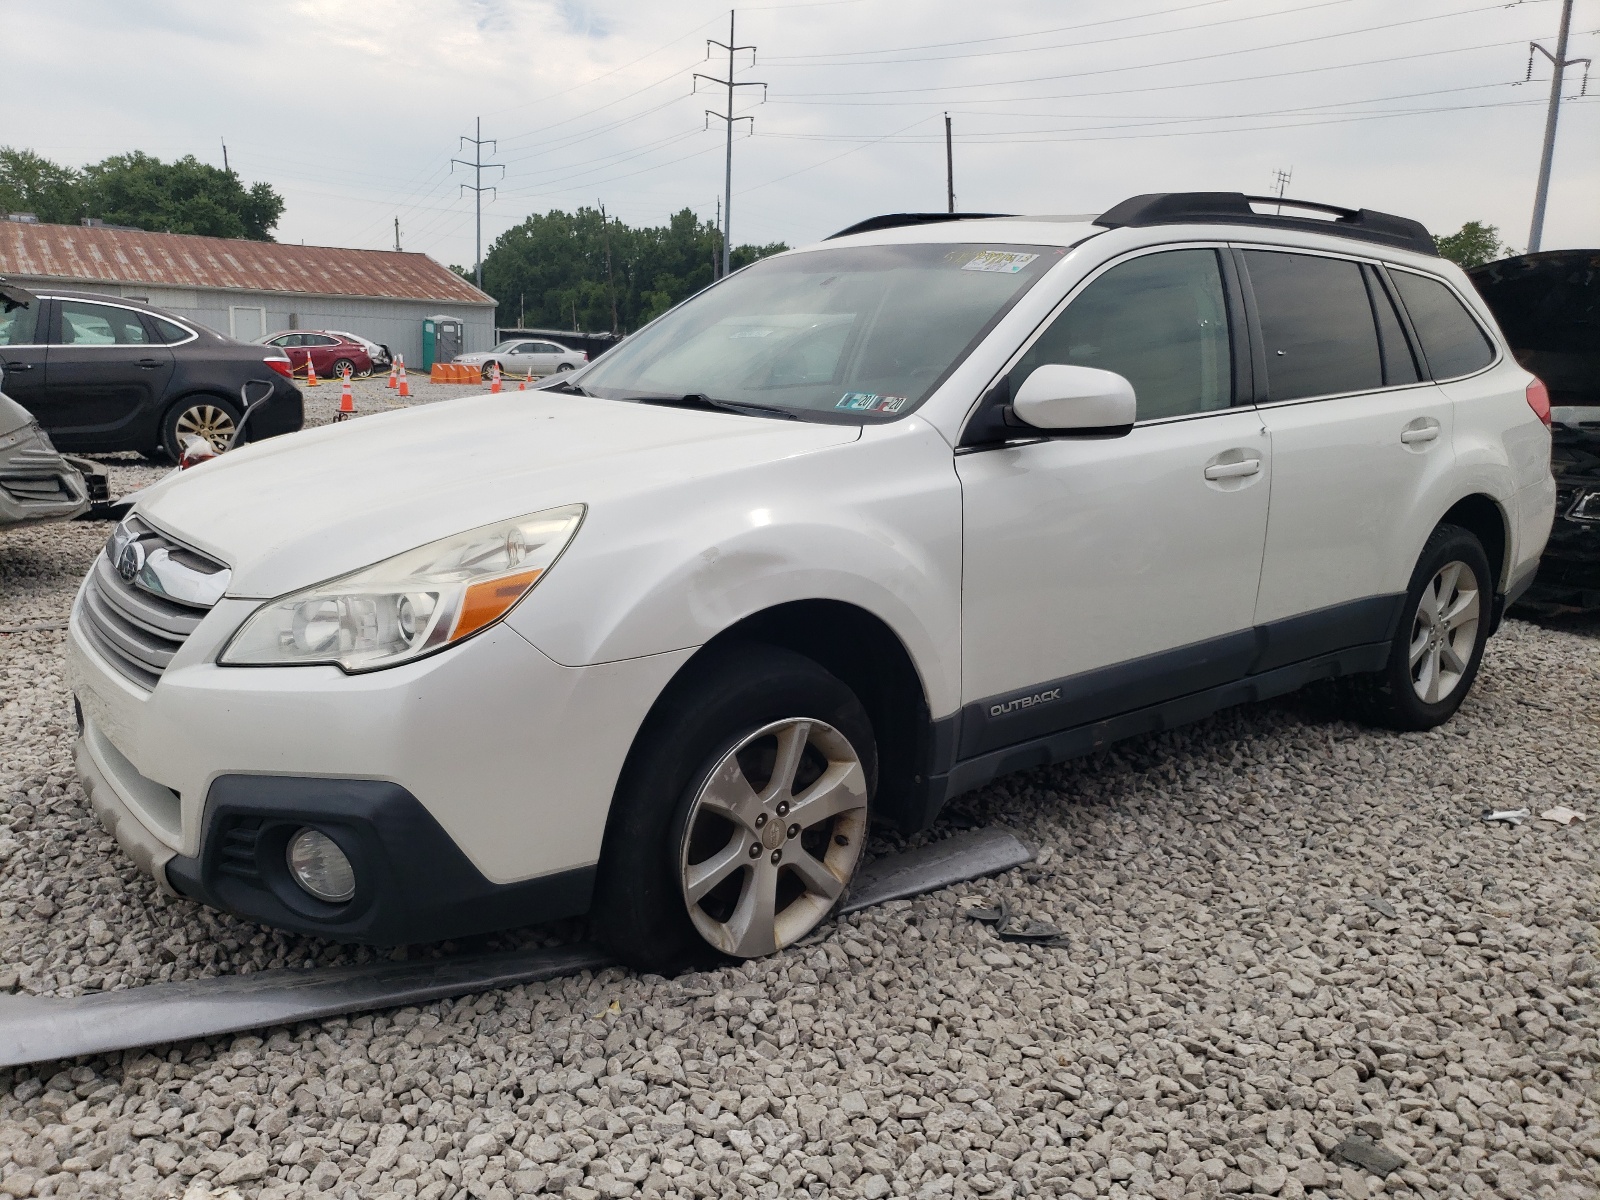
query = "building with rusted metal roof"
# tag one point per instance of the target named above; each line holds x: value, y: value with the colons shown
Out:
x: 249, y: 289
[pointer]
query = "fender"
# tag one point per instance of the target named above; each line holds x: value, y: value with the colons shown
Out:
x: 875, y: 523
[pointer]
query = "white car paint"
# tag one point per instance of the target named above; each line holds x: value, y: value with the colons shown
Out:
x: 529, y: 356
x: 994, y: 570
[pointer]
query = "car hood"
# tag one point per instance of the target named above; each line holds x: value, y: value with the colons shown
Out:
x: 295, y: 510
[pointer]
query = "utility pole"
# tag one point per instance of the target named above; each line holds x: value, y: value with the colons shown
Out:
x: 730, y: 83
x: 716, y: 251
x: 949, y: 165
x: 1559, y: 62
x: 605, y: 233
x: 397, y: 235
x: 1280, y: 181
x: 476, y: 186
x: 226, y: 168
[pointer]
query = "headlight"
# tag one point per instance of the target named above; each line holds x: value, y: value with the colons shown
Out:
x: 409, y: 605
x: 1586, y: 507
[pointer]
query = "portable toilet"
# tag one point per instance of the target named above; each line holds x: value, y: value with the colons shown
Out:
x: 441, y: 339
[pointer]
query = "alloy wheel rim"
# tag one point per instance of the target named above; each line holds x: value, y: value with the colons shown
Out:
x: 210, y: 422
x: 773, y: 837
x: 1444, y: 632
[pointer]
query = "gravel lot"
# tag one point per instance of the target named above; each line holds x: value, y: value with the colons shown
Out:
x: 1281, y: 929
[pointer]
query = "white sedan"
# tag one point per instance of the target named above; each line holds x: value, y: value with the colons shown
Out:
x: 855, y: 530
x: 520, y: 357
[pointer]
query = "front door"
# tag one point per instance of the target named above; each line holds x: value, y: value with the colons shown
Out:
x: 23, y: 354
x: 104, y: 375
x: 1360, y: 440
x: 1106, y: 574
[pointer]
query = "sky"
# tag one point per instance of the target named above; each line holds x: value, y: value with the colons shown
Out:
x: 354, y: 110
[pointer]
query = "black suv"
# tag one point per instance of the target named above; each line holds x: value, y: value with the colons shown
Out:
x: 104, y: 374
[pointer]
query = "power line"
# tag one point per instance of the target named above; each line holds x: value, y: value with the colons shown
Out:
x: 1170, y: 62
x: 476, y: 186
x: 730, y: 83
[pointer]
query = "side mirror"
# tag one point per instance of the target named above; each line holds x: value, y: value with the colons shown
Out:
x: 1071, y: 399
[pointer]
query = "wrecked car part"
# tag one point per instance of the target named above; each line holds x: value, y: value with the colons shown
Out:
x: 44, y: 1028
x: 1510, y: 816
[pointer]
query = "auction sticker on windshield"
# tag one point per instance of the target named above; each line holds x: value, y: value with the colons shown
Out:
x: 1007, y: 261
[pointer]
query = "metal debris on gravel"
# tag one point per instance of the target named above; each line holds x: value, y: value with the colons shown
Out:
x: 1230, y: 1008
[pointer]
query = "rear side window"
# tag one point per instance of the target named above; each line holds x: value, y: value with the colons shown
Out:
x: 1399, y: 365
x: 85, y: 324
x: 17, y: 326
x: 1452, y: 342
x: 1160, y: 321
x: 1316, y: 323
x: 167, y: 332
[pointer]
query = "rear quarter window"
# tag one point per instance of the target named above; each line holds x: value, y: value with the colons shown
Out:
x: 1452, y: 340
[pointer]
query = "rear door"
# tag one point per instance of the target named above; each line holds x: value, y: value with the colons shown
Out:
x: 1361, y: 442
x: 23, y: 333
x: 104, y: 377
x: 543, y: 357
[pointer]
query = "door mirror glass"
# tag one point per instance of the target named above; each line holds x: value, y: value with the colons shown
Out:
x: 1065, y: 398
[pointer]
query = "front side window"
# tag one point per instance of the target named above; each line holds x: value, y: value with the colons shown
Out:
x: 17, y: 326
x: 1160, y: 321
x: 1317, y: 325
x: 86, y: 324
x: 286, y: 340
x: 860, y: 333
x: 1452, y: 342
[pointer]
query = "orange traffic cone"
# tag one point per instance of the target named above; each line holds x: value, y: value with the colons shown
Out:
x: 494, y: 379
x: 523, y: 386
x: 392, y: 378
x: 347, y: 400
x: 311, y: 373
x: 404, y: 389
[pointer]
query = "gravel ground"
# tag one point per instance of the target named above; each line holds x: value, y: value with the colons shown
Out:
x: 1281, y: 930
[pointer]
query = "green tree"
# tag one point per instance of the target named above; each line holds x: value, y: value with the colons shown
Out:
x: 32, y: 183
x: 552, y: 270
x: 1473, y: 245
x: 185, y: 196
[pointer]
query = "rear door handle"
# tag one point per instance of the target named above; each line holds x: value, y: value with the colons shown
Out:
x: 11, y: 366
x: 1234, y: 470
x: 1426, y: 434
x: 149, y: 363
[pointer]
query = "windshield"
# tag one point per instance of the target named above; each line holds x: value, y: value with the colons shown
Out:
x: 857, y: 333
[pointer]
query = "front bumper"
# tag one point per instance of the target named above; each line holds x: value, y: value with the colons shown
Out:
x: 38, y: 484
x: 471, y: 789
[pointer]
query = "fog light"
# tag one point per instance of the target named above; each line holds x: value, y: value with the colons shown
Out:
x: 320, y: 867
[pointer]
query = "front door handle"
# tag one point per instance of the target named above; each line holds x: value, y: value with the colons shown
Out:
x: 1424, y: 434
x: 1234, y: 470
x: 149, y: 363
x: 11, y: 366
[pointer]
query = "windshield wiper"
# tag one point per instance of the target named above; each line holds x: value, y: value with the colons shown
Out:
x: 701, y: 400
x: 571, y: 389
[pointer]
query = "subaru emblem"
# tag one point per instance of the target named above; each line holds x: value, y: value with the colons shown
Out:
x: 130, y: 562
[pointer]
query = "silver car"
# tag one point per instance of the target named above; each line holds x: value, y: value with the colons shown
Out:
x: 526, y: 356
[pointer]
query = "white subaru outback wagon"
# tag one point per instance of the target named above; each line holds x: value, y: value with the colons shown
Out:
x: 853, y: 531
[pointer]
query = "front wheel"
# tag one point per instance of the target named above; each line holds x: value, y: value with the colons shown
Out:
x: 741, y: 815
x: 1439, y: 645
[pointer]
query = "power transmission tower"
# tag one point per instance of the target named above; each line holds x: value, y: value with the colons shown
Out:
x: 949, y: 166
x: 1559, y: 62
x: 1280, y: 180
x: 730, y: 83
x: 476, y: 186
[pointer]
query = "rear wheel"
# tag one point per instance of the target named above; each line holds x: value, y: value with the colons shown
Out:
x: 210, y: 417
x: 564, y: 367
x: 741, y: 815
x: 342, y: 366
x: 1439, y: 645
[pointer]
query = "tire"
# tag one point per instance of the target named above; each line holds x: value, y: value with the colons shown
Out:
x: 214, y: 418
x: 1432, y: 664
x: 564, y: 367
x: 341, y: 365
x: 711, y: 746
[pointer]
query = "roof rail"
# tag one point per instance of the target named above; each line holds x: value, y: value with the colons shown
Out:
x: 895, y: 220
x: 1233, y: 208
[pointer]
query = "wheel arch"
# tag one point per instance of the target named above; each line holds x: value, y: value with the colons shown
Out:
x: 1483, y: 517
x: 864, y: 652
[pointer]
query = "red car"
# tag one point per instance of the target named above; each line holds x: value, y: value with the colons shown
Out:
x: 330, y: 353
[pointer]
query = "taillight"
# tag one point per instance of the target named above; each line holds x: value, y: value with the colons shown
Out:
x: 585, y: 354
x: 1539, y: 401
x: 281, y: 365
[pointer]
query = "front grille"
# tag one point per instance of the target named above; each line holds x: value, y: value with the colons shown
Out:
x: 35, y: 490
x: 134, y: 628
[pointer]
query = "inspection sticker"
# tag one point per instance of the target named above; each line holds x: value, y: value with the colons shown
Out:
x: 1008, y: 261
x: 858, y: 401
